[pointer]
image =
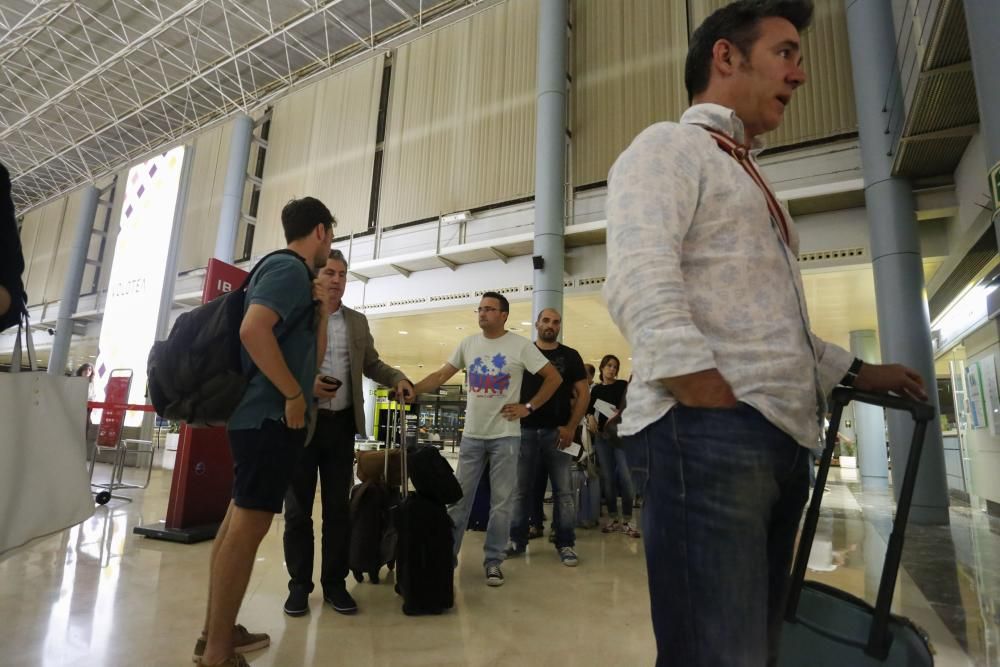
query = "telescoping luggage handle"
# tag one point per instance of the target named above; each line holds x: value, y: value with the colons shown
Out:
x: 399, y: 417
x: 922, y: 413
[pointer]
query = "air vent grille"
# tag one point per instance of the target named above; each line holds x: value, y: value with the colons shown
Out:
x: 831, y: 255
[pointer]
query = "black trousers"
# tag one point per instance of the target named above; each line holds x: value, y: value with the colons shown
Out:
x: 330, y: 457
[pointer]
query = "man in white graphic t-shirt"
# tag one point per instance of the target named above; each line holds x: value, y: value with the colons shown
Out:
x: 495, y: 361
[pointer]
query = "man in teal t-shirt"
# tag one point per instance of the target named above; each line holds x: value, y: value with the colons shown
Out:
x: 495, y: 361
x: 267, y: 430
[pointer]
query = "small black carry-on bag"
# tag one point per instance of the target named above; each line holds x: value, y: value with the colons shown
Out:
x: 826, y: 627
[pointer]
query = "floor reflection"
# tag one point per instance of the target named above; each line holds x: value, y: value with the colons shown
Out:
x: 97, y: 594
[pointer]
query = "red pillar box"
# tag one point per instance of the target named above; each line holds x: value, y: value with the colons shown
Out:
x: 203, y: 473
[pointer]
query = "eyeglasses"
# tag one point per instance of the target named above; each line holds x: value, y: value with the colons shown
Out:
x: 486, y: 309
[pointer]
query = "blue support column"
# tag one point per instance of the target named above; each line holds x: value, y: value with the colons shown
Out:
x: 550, y: 155
x: 904, y: 326
x: 232, y: 192
x: 74, y: 277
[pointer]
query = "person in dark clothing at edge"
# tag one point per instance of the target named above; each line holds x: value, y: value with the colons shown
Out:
x: 268, y: 428
x: 12, y: 296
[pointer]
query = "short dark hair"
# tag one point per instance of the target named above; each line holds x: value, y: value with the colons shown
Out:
x: 590, y: 369
x: 300, y: 216
x: 504, y: 303
x: 338, y: 256
x: 738, y: 23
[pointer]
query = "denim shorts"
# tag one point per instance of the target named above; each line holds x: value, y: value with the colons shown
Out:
x: 263, y: 460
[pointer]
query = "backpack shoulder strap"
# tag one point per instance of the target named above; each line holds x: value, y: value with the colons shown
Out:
x: 283, y: 251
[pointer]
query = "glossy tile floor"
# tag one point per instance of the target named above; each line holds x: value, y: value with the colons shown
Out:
x: 98, y: 595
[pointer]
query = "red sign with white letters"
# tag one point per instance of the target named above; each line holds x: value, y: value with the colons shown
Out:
x: 221, y: 278
x: 203, y: 473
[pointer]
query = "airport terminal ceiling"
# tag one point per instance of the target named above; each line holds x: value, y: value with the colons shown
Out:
x: 89, y: 86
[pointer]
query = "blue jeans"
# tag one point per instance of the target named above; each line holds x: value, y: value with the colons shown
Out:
x: 472, y: 457
x: 539, y: 450
x: 616, y: 478
x: 722, y: 507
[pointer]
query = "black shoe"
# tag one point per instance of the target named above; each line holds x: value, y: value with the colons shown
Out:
x: 341, y: 601
x: 514, y: 549
x: 297, y: 603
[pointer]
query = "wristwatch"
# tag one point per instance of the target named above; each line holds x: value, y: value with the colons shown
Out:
x: 530, y: 409
x: 852, y: 373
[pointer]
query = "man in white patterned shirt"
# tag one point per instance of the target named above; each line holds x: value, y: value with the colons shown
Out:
x: 729, y: 379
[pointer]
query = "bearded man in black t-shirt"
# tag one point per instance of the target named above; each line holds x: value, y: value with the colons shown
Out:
x: 544, y: 434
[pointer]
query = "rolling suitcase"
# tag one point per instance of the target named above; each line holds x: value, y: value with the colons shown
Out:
x: 425, y: 572
x: 425, y: 566
x: 587, y: 492
x: 373, y: 537
x: 373, y: 534
x: 827, y: 627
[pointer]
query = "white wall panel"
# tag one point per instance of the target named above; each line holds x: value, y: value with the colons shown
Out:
x: 322, y: 144
x: 461, y: 130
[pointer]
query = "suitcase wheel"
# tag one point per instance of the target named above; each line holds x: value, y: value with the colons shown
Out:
x: 374, y: 576
x: 103, y: 497
x: 358, y: 576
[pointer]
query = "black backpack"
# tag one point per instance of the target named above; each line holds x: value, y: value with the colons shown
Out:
x: 196, y: 375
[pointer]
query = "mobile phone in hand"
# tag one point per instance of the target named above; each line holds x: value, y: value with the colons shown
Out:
x: 330, y: 380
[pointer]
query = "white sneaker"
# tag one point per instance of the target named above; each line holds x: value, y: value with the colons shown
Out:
x: 568, y: 557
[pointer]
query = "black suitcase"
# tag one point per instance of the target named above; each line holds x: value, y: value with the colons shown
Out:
x: 425, y: 566
x: 425, y: 547
x: 432, y: 476
x: 827, y: 627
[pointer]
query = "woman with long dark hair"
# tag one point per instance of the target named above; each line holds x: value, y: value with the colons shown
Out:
x: 616, y: 478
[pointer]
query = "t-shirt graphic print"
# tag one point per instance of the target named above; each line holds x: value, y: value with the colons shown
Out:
x: 495, y: 368
x: 490, y: 377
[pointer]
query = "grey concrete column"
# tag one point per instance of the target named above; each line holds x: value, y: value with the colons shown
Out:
x: 982, y: 18
x: 904, y: 326
x: 232, y: 192
x: 550, y: 155
x: 869, y: 421
x: 74, y: 277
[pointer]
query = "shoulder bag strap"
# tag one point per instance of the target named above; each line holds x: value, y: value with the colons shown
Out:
x: 742, y: 156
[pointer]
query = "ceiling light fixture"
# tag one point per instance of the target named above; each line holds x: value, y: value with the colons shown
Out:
x: 404, y: 333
